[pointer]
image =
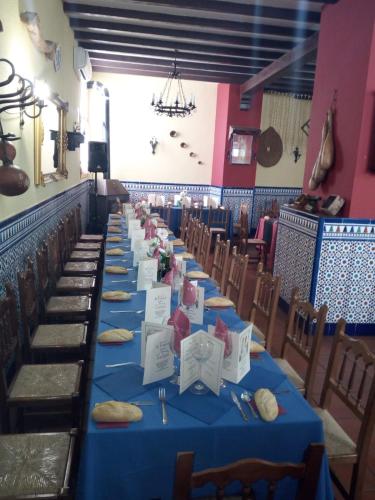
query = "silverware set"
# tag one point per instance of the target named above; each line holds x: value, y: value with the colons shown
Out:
x: 140, y: 311
x: 162, y: 398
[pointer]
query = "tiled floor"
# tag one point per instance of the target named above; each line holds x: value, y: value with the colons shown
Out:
x: 340, y: 412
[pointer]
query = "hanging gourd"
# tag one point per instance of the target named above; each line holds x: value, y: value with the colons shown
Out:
x: 326, y: 154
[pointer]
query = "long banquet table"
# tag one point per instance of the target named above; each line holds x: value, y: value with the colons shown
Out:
x: 137, y: 462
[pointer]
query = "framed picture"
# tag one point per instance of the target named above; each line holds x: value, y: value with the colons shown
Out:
x: 241, y: 145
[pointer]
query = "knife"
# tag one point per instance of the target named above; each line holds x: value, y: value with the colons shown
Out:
x: 238, y: 404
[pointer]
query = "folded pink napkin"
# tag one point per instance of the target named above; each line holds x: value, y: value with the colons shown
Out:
x: 222, y: 333
x: 181, y: 326
x: 189, y: 293
x: 168, y: 278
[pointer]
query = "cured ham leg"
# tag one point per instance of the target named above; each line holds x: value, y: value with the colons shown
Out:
x: 325, y: 157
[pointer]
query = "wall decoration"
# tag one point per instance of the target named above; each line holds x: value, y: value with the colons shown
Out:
x: 183, y: 145
x: 270, y: 148
x: 154, y: 143
x: 173, y: 133
x: 51, y: 142
x: 32, y: 22
x: 241, y: 151
x: 192, y: 155
x: 13, y: 180
x: 326, y: 154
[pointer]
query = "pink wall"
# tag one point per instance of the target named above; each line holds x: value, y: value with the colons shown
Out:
x: 342, y: 64
x: 228, y: 113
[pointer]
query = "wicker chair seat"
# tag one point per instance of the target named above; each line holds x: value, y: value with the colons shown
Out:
x: 34, y: 464
x: 80, y: 268
x: 336, y: 440
x: 89, y: 245
x: 77, y: 255
x: 74, y: 304
x: 290, y: 372
x: 91, y: 237
x: 59, y: 335
x: 36, y: 382
x: 78, y: 284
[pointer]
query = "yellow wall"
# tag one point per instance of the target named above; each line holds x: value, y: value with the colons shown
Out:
x: 286, y: 114
x: 16, y: 46
x: 133, y: 124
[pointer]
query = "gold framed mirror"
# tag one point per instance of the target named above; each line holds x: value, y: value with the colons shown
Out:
x: 50, y: 142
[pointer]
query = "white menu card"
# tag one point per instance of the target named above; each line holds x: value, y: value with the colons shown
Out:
x: 158, y: 357
x: 137, y: 234
x: 158, y: 303
x: 148, y: 329
x: 133, y: 224
x: 147, y: 273
x: 237, y: 364
x: 179, y: 275
x: 140, y: 251
x: 207, y: 371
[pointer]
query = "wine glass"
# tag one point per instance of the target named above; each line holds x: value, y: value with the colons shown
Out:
x: 226, y: 337
x: 202, y: 351
x: 189, y: 294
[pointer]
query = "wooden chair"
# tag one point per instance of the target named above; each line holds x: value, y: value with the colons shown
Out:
x: 304, y: 334
x: 192, y: 228
x: 37, y: 465
x: 204, y: 251
x: 80, y: 245
x: 72, y: 253
x: 33, y: 386
x: 196, y: 213
x: 264, y: 306
x: 45, y: 340
x: 350, y: 377
x: 69, y: 268
x: 247, y: 472
x: 66, y: 285
x: 184, y: 223
x: 220, y: 262
x: 56, y: 308
x: 78, y: 228
x: 244, y: 208
x: 197, y: 238
x: 255, y: 248
x: 236, y: 281
x: 165, y: 214
x: 218, y: 221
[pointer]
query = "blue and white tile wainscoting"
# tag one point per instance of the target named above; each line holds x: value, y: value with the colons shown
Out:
x: 23, y: 233
x: 259, y: 199
x: 332, y: 261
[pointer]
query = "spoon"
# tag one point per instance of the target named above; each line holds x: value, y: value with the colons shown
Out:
x: 127, y: 311
x: 245, y: 396
x: 123, y: 281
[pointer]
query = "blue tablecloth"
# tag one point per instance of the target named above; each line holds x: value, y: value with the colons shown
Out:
x: 137, y: 463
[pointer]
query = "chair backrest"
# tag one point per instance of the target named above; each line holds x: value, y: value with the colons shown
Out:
x: 165, y: 214
x: 62, y: 243
x: 220, y: 262
x: 304, y: 334
x: 197, y: 238
x: 196, y: 212
x: 29, y: 303
x: 192, y: 229
x: 350, y: 376
x: 54, y: 257
x: 78, y: 220
x: 236, y: 281
x: 265, y: 301
x: 247, y: 472
x: 43, y: 275
x: 218, y: 217
x: 204, y: 251
x: 184, y: 223
x: 9, y: 340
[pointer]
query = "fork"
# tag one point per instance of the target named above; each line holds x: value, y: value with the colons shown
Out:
x: 162, y: 398
x: 128, y: 311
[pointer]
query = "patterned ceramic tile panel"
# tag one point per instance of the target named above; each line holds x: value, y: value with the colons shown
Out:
x: 346, y: 273
x: 23, y: 234
x: 234, y: 197
x: 263, y: 197
x: 140, y: 190
x: 295, y: 250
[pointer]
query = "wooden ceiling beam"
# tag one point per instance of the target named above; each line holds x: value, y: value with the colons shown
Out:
x: 133, y: 71
x: 222, y: 7
x: 196, y: 22
x: 286, y: 63
x: 166, y: 65
x: 180, y: 46
x: 170, y: 55
x: 261, y: 31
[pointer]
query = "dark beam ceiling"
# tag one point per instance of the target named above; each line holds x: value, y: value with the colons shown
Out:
x: 231, y: 41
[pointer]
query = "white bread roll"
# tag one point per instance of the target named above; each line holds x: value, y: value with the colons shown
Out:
x: 116, y: 295
x: 256, y: 347
x: 266, y: 404
x: 115, y: 251
x: 115, y: 335
x: 116, y: 270
x: 116, y: 411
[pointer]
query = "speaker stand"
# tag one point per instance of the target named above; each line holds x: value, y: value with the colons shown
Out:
x: 94, y: 226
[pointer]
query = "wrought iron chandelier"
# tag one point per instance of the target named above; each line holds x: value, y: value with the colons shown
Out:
x: 165, y: 105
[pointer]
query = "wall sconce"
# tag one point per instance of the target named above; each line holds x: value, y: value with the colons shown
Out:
x: 153, y: 143
x: 297, y: 154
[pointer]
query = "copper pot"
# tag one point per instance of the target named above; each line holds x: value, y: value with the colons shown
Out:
x: 13, y: 180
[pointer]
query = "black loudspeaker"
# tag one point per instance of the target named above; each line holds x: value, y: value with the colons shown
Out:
x: 98, y: 157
